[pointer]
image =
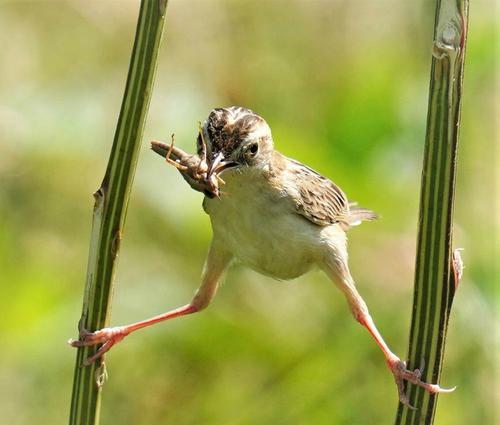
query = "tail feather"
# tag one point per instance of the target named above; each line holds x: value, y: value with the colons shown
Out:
x: 358, y: 214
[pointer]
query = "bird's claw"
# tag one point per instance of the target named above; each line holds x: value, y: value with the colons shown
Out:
x: 402, y: 373
x: 106, y: 336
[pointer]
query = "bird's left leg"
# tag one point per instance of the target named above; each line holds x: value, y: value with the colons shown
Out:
x: 335, y: 266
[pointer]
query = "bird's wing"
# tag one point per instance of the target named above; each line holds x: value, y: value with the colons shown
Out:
x: 317, y: 198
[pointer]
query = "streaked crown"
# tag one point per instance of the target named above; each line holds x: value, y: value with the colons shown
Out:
x: 227, y: 129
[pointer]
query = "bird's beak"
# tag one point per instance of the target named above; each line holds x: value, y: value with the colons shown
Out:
x: 218, y: 164
x: 215, y: 163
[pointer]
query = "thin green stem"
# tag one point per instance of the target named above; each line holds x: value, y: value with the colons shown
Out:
x: 437, y: 268
x: 111, y: 201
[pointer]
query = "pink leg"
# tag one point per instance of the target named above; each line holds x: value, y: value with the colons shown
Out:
x: 397, y: 366
x: 216, y: 263
x: 111, y: 336
x: 339, y: 273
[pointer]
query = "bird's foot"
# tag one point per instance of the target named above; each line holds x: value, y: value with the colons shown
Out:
x: 401, y: 374
x: 106, y: 336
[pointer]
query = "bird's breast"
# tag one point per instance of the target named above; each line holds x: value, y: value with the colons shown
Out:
x: 254, y: 221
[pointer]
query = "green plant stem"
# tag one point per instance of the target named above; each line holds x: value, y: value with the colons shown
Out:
x: 110, y: 208
x: 437, y: 271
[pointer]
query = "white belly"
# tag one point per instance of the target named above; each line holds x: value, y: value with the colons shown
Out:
x: 258, y: 227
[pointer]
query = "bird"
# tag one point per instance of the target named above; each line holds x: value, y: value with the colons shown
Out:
x: 275, y: 215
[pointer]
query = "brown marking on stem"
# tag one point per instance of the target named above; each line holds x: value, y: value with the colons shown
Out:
x: 457, y: 266
x: 115, y: 244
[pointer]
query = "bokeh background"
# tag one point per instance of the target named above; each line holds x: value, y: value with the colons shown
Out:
x: 343, y: 85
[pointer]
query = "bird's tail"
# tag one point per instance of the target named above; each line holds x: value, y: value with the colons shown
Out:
x: 358, y: 214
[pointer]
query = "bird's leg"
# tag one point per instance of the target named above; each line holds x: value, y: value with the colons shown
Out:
x: 215, y: 265
x: 339, y: 273
x: 109, y: 337
x: 396, y: 365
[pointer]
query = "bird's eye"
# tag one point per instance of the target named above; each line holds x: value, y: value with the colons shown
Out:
x: 253, y: 148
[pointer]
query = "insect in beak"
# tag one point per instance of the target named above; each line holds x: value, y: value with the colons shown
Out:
x: 215, y: 163
x: 218, y: 165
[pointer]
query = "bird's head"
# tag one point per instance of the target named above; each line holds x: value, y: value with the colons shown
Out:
x: 235, y: 137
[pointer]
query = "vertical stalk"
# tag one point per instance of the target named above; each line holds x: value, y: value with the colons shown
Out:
x: 110, y: 208
x: 438, y: 270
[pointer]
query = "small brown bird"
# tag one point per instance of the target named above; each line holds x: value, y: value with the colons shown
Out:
x: 279, y: 217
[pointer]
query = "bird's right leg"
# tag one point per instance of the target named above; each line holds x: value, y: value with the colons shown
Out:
x: 217, y: 261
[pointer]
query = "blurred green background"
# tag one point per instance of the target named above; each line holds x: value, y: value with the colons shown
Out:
x: 343, y: 85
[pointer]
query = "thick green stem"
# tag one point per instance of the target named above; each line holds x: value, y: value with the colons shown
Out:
x: 111, y: 201
x: 437, y: 268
